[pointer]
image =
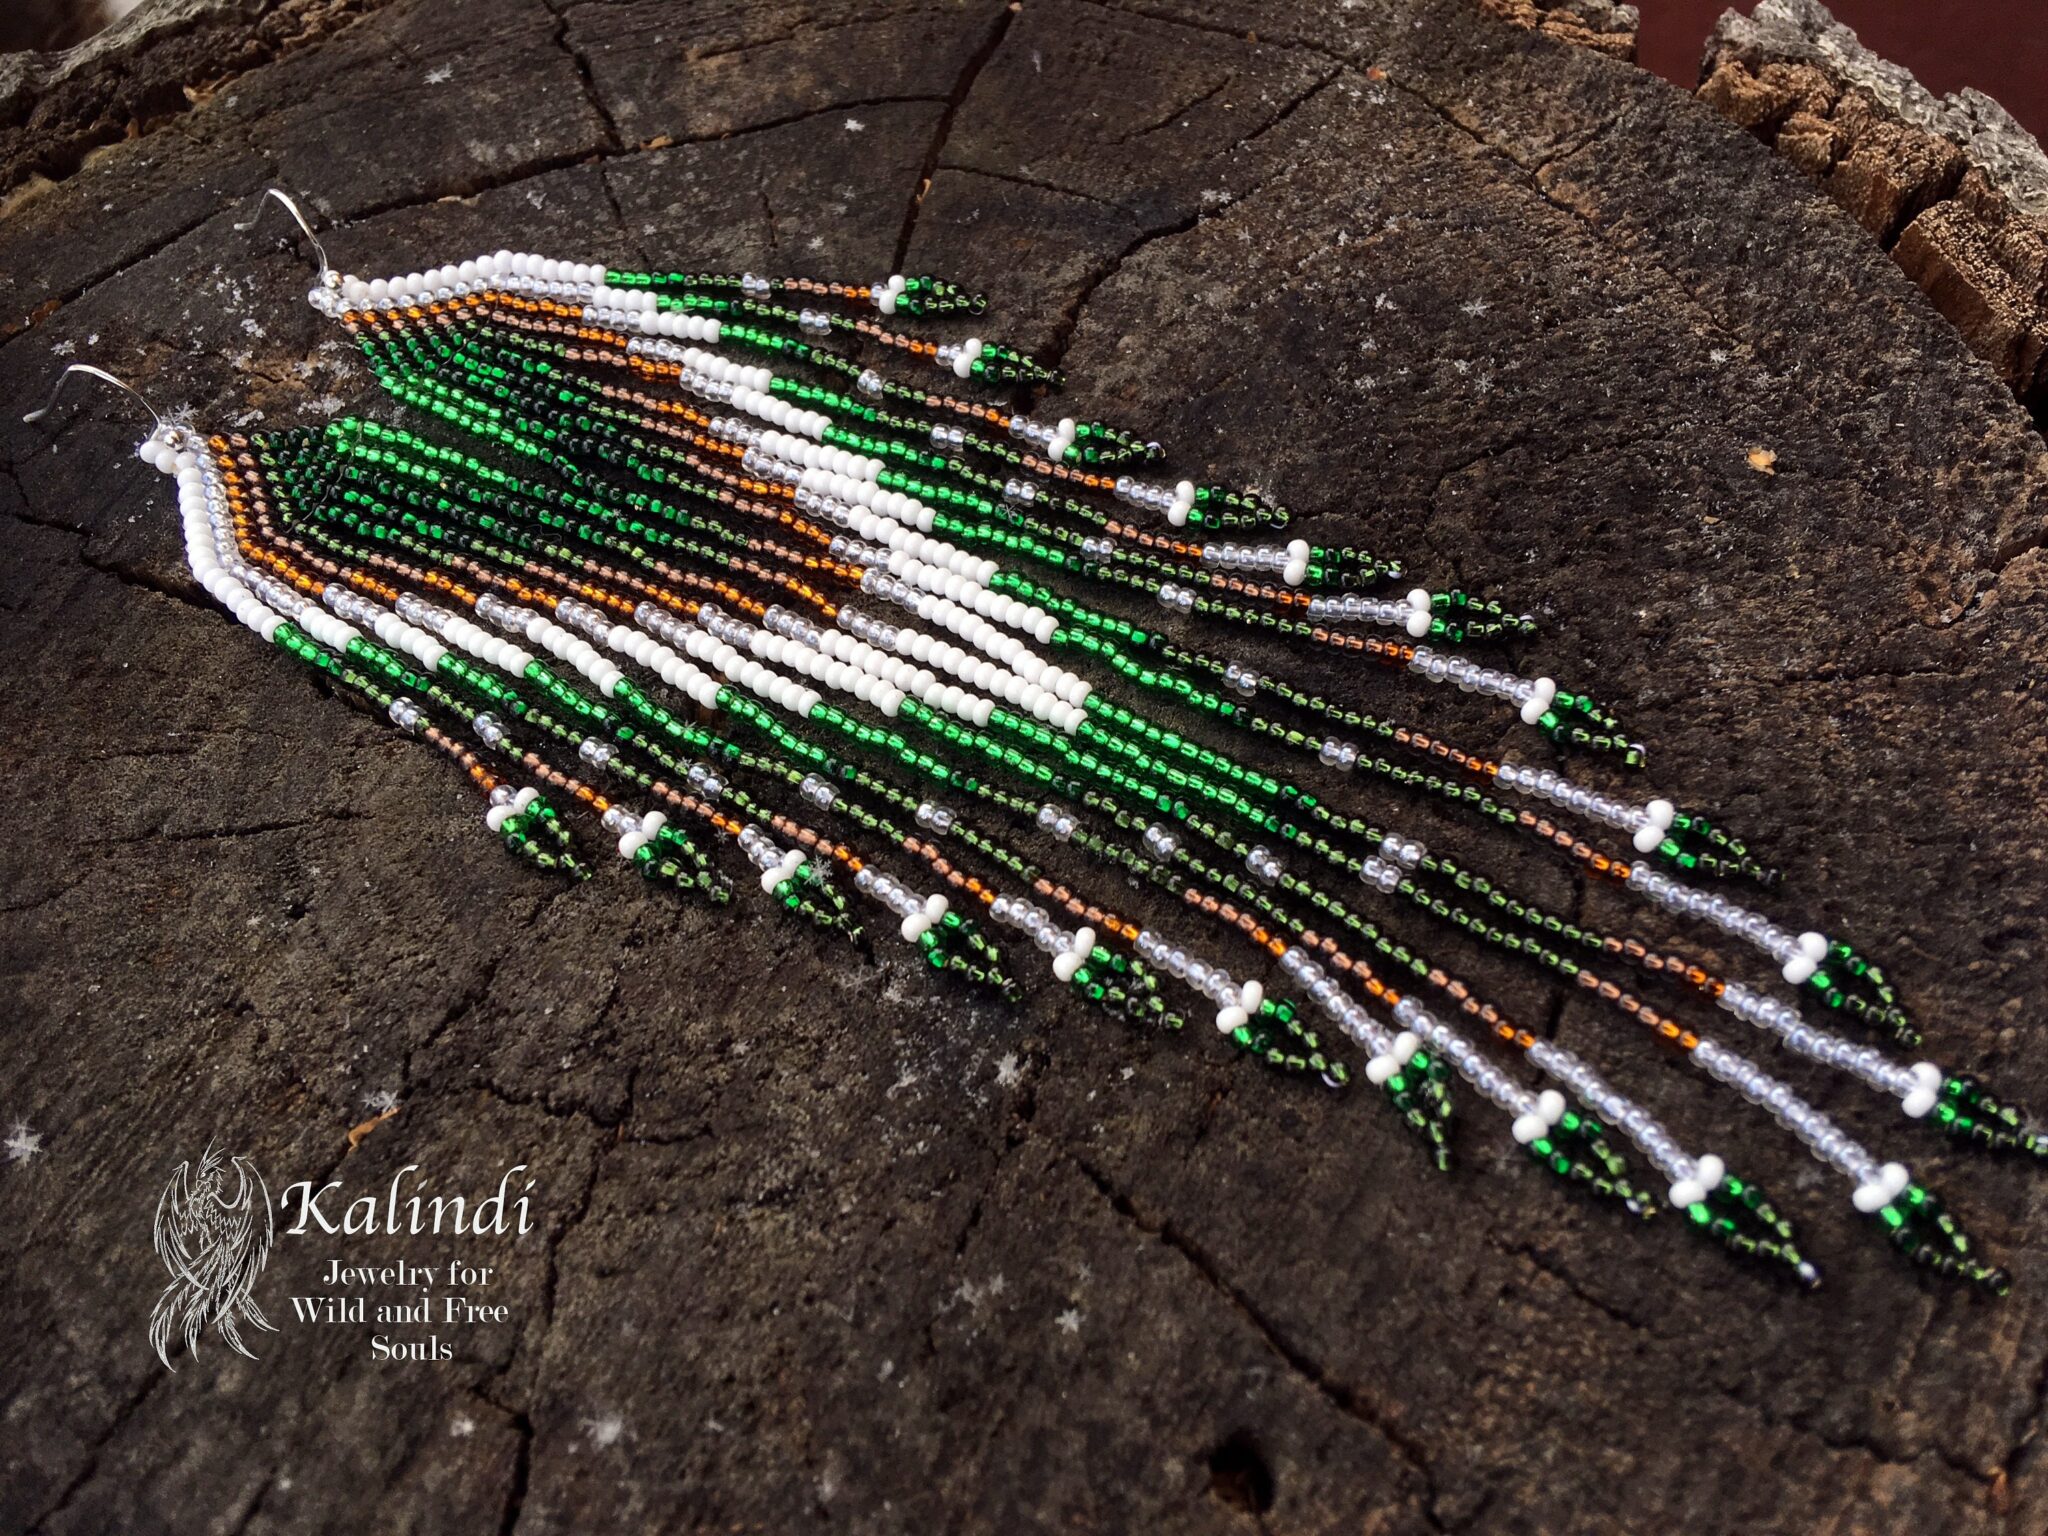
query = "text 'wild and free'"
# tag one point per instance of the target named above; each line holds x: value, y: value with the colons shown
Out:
x: 427, y: 1309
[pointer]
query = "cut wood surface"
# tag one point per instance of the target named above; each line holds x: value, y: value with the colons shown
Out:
x: 819, y: 1246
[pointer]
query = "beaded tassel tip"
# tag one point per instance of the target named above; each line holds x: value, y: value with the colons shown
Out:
x: 681, y: 538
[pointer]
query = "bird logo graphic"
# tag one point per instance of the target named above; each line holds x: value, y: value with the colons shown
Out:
x: 214, y: 1241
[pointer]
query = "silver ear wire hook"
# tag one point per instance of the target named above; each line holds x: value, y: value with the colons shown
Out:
x: 98, y: 373
x: 292, y: 208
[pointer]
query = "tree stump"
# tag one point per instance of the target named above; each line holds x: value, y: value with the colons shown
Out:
x: 814, y: 1243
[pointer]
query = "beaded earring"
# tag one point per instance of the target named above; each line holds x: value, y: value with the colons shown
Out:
x: 835, y: 582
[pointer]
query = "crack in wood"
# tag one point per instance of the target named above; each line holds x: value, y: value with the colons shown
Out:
x: 91, y: 1465
x: 1347, y: 1399
x: 613, y: 138
x: 1055, y: 350
x: 976, y: 63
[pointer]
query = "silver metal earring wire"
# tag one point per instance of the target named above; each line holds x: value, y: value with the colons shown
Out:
x: 98, y: 373
x: 299, y: 218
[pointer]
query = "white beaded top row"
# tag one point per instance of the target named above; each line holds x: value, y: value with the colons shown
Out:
x: 746, y: 386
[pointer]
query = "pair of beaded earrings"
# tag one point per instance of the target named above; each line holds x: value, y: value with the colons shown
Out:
x: 670, y: 552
